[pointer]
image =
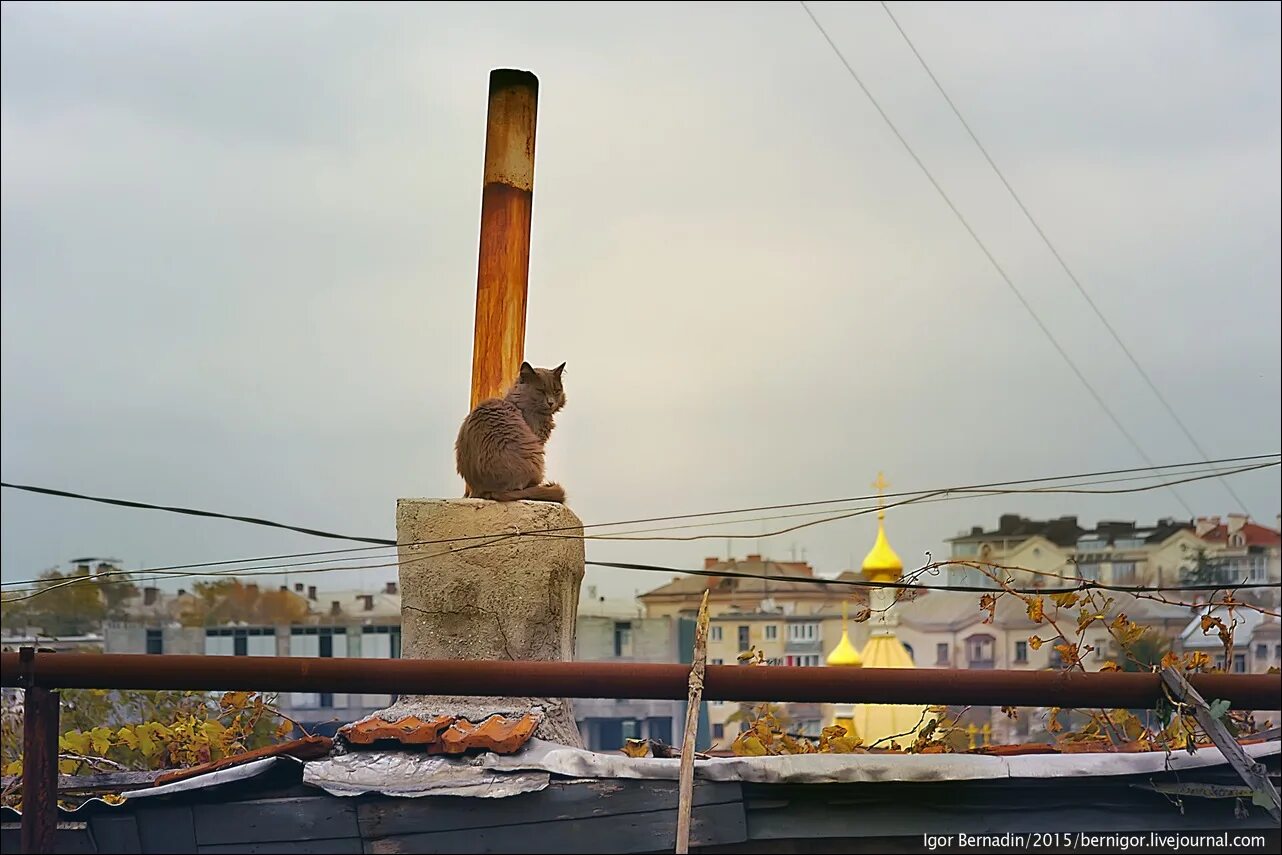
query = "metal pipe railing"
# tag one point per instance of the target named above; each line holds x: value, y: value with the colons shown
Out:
x: 485, y: 678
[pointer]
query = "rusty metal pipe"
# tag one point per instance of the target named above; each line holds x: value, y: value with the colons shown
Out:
x: 507, y: 204
x: 483, y: 678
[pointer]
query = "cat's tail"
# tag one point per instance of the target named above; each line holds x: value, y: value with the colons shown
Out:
x: 539, y: 493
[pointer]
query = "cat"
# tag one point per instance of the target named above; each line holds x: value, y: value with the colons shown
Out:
x: 499, y: 451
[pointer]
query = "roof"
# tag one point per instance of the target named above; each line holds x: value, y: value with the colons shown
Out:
x: 1063, y: 531
x: 1243, y: 622
x: 1066, y: 532
x: 571, y: 801
x: 753, y: 565
x: 1254, y: 534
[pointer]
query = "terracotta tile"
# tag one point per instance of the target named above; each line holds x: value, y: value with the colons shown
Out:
x: 410, y: 730
x: 446, y: 734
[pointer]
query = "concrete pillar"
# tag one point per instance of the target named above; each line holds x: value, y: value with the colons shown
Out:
x: 491, y: 598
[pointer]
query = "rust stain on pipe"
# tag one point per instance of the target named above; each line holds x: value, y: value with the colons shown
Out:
x: 507, y: 203
x: 482, y: 678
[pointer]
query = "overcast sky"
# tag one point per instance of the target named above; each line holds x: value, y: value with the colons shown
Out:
x: 239, y: 260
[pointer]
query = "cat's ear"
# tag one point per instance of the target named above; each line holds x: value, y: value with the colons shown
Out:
x: 528, y: 374
x: 557, y: 371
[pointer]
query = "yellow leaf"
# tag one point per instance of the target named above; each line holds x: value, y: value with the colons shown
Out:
x: 1171, y: 659
x: 1035, y: 642
x: 100, y: 738
x: 1065, y: 600
x: 67, y: 767
x: 636, y: 747
x: 747, y: 745
x: 13, y: 767
x: 284, y: 729
x: 113, y: 798
x: 234, y: 700
x: 1052, y: 721
x: 844, y: 744
x: 1110, y: 665
x: 74, y: 741
x: 1036, y: 609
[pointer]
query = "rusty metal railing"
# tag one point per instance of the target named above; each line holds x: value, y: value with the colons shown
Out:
x: 42, y: 674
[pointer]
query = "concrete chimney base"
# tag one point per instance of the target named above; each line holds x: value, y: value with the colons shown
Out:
x: 489, y: 597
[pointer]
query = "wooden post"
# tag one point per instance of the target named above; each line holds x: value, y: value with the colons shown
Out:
x: 685, y: 772
x: 503, y: 268
x: 39, y: 764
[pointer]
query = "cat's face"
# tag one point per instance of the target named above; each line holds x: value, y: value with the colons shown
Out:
x: 545, y: 384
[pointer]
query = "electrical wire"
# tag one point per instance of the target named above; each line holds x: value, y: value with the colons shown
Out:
x: 1077, y: 283
x: 945, y: 494
x: 1001, y: 271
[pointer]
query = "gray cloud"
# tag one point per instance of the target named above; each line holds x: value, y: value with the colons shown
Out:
x: 239, y: 258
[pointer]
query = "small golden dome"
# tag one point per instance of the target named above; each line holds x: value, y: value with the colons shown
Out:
x: 882, y: 563
x: 845, y: 654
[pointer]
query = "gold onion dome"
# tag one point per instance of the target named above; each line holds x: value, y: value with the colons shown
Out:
x: 845, y: 654
x: 882, y: 563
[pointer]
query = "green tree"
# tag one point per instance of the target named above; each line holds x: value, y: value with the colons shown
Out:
x: 72, y: 603
x: 1201, y: 569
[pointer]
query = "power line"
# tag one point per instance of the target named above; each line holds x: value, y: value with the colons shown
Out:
x: 1001, y: 271
x: 124, y: 503
x: 913, y: 497
x: 1081, y: 289
x: 913, y: 586
x: 36, y: 588
x: 1083, y: 585
x: 990, y: 488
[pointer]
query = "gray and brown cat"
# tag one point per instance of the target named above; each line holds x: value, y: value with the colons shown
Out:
x: 499, y: 451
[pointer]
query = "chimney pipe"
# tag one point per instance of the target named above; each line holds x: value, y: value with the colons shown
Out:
x: 149, y: 595
x: 392, y: 589
x: 335, y: 607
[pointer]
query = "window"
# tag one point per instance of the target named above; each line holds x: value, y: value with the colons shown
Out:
x: 805, y: 660
x: 623, y: 638
x: 979, y: 651
x: 965, y: 550
x: 911, y: 655
x: 1238, y: 539
x: 941, y: 654
x: 240, y: 641
x: 772, y: 632
x: 1277, y: 652
x: 1239, y: 663
x: 803, y: 631
x: 326, y: 700
x: 380, y: 642
x: 718, y: 661
x: 1261, y: 652
x: 1055, y: 658
x: 631, y: 728
x: 1124, y: 572
x: 156, y: 641
x: 718, y: 731
x: 1101, y: 649
x: 1088, y: 570
x: 321, y: 641
x: 714, y: 634
x: 744, y: 640
x: 1021, y: 651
